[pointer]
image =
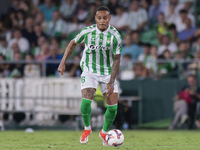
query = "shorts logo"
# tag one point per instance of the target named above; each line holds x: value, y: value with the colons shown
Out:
x: 83, y: 79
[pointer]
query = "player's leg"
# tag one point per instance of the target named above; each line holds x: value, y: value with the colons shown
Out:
x: 88, y: 88
x: 111, y: 110
x: 87, y: 95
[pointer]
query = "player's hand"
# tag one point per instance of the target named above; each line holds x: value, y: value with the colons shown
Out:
x: 61, y: 69
x: 110, y: 88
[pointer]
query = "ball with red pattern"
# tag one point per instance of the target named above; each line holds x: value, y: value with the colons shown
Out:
x: 115, y: 137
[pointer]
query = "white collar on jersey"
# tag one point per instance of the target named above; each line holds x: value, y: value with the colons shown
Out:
x: 106, y: 31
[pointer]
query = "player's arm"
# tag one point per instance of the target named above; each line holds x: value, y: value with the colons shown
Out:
x: 69, y: 50
x: 117, y: 48
x: 115, y: 71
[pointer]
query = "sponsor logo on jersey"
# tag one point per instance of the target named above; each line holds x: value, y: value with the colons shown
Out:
x: 98, y: 47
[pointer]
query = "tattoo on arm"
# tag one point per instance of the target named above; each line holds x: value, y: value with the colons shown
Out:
x: 69, y: 50
x: 88, y: 93
x: 115, y: 69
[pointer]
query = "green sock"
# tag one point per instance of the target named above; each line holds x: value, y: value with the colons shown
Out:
x: 86, y: 111
x: 110, y: 115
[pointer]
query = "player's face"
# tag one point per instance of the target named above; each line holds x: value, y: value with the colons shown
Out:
x: 102, y: 18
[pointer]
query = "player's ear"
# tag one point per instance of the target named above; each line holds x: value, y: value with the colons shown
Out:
x: 109, y: 17
x: 95, y: 17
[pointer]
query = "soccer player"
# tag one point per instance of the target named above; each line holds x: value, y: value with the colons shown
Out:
x: 100, y: 65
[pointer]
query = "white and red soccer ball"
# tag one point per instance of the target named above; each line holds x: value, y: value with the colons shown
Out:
x: 115, y: 138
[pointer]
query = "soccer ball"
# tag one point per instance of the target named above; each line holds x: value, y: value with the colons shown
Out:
x: 115, y: 138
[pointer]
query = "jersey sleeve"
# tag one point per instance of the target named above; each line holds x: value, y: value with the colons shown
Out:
x: 117, y: 44
x: 80, y: 37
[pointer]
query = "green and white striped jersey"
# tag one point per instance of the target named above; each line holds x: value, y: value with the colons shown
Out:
x: 100, y: 48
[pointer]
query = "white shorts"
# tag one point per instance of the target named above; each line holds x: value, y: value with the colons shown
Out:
x: 92, y: 80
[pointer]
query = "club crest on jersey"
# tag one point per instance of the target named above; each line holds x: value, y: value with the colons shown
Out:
x: 93, y: 39
x: 108, y: 41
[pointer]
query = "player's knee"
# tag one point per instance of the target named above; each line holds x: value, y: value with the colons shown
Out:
x: 88, y: 93
x: 88, y: 96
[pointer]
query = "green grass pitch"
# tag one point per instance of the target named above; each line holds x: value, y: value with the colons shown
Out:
x: 69, y: 140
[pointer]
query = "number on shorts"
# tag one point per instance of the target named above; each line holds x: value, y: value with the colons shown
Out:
x: 83, y: 79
